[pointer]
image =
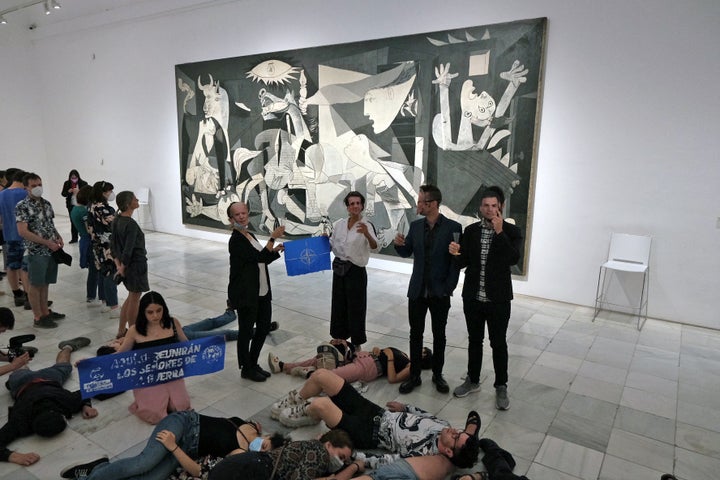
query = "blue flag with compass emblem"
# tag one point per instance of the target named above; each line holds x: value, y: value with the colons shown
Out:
x: 307, y: 255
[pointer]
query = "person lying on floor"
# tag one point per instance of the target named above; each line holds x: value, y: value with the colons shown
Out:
x: 401, y: 429
x: 363, y: 366
x: 178, y: 441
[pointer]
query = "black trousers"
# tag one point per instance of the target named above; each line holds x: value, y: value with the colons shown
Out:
x: 498, y: 462
x: 417, y: 310
x: 258, y: 315
x: 497, y: 316
x: 349, y: 305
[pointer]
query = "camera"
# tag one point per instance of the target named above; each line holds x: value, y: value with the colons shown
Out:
x: 16, y: 349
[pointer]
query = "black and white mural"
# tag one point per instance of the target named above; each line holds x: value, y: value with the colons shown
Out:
x: 292, y: 132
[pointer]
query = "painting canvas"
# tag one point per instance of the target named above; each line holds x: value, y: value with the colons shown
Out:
x: 292, y: 132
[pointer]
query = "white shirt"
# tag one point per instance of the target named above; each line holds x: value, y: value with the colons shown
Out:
x: 351, y: 245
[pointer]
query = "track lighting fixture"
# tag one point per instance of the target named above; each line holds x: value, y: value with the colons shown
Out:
x: 49, y: 6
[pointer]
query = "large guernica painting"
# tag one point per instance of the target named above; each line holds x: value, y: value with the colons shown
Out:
x: 292, y: 132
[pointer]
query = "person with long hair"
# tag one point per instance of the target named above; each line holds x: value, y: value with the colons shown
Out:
x: 154, y: 327
x: 99, y: 222
x: 78, y: 216
x: 70, y: 189
x: 352, y: 240
x: 182, y: 440
x: 128, y: 248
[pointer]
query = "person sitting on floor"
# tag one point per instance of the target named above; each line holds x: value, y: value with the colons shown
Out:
x: 42, y: 405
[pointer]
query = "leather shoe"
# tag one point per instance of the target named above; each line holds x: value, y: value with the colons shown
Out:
x: 440, y: 384
x: 252, y: 374
x: 409, y: 385
x: 262, y: 372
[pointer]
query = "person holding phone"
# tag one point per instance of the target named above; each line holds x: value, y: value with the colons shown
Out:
x: 488, y: 249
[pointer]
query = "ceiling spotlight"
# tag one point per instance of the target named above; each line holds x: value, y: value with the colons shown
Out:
x: 54, y: 4
x: 3, y: 21
x: 47, y: 8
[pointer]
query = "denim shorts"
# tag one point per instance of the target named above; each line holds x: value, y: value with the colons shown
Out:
x: 398, y: 470
x: 15, y: 251
x: 42, y: 269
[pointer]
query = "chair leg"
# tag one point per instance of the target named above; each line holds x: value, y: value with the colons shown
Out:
x: 598, y: 301
x: 643, y: 299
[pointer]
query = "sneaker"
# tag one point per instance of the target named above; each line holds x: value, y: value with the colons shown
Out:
x: 75, y: 343
x: 289, y: 400
x: 466, y: 388
x: 502, y: 402
x: 274, y: 363
x: 83, y: 469
x: 45, y: 322
x: 115, y: 312
x: 295, y: 417
x: 302, y: 371
x: 26, y: 304
x: 20, y: 300
x: 56, y: 315
x: 106, y: 309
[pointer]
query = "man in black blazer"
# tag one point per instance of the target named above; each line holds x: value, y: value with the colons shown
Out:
x: 433, y: 280
x: 488, y: 249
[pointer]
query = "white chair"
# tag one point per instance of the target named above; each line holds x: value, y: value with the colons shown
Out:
x: 629, y: 254
x: 143, y: 196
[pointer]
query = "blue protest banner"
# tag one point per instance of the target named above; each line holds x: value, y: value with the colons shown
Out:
x: 150, y: 366
x: 307, y: 255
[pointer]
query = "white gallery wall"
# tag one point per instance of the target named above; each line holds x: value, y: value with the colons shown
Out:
x: 628, y: 135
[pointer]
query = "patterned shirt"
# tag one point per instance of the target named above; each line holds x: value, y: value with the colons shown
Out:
x: 411, y: 433
x: 38, y: 214
x: 485, y: 240
x: 303, y: 460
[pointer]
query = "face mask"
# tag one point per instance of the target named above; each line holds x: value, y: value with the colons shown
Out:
x: 335, y: 463
x: 256, y: 445
x: 111, y: 197
x: 239, y: 226
x: 37, y: 192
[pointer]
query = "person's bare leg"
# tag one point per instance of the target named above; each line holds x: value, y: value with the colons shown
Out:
x: 43, y: 291
x: 63, y: 355
x: 33, y: 295
x: 129, y: 310
x: 13, y: 277
x: 321, y: 381
x: 324, y: 409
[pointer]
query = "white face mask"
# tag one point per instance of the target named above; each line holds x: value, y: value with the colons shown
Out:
x: 111, y: 197
x: 335, y: 463
x: 239, y: 226
x: 36, y: 192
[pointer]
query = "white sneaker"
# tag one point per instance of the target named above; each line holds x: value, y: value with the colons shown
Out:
x: 297, y: 416
x: 105, y: 308
x: 115, y: 312
x: 274, y: 363
x: 302, y: 371
x: 289, y: 400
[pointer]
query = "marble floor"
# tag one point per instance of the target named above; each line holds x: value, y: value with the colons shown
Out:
x: 588, y: 400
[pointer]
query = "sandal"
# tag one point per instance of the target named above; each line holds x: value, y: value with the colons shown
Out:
x: 473, y: 418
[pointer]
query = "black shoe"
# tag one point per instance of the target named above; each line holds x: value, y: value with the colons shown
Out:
x: 20, y: 300
x: 83, y: 469
x: 262, y: 372
x: 74, y: 240
x: 274, y: 326
x: 252, y: 374
x: 409, y: 385
x: 440, y: 384
x: 56, y: 315
x: 26, y: 304
x: 45, y: 322
x: 473, y: 418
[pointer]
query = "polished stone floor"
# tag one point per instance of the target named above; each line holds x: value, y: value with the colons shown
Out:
x: 588, y: 400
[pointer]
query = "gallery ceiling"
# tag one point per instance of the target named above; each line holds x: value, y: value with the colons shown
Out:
x: 32, y: 23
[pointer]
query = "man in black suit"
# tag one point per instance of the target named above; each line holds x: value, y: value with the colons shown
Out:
x: 488, y: 249
x: 434, y: 277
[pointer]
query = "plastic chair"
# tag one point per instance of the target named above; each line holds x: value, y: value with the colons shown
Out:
x: 629, y: 254
x: 143, y: 196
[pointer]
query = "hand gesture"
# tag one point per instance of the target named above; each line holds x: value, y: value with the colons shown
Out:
x: 21, y: 361
x: 443, y: 77
x: 497, y: 222
x: 23, y: 459
x: 167, y: 438
x: 516, y: 74
x: 278, y: 232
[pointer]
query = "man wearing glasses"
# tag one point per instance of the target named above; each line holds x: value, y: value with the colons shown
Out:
x: 432, y: 282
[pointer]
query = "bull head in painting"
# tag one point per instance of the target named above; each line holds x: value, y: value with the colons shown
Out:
x: 216, y: 100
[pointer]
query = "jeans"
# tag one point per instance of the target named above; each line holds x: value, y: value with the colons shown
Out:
x: 109, y: 287
x: 59, y: 373
x: 417, y: 309
x: 205, y: 328
x: 93, y: 285
x: 497, y: 316
x: 155, y: 462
